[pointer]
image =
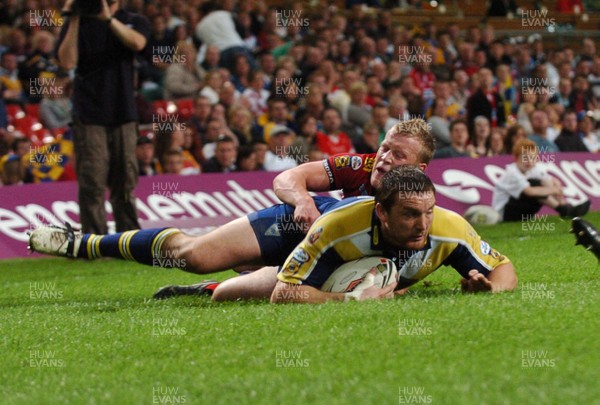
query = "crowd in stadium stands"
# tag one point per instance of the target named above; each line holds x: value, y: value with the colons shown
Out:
x: 237, y: 86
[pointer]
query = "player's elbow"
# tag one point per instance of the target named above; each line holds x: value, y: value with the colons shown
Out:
x: 280, y: 182
x: 504, y: 278
x: 283, y: 293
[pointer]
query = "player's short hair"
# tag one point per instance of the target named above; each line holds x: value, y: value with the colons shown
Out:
x: 417, y: 128
x: 524, y: 146
x: 403, y: 180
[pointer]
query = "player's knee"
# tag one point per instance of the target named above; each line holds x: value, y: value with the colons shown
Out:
x: 223, y: 293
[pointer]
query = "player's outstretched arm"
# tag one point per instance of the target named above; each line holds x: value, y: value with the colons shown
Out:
x: 292, y: 186
x: 502, y: 278
x: 294, y: 293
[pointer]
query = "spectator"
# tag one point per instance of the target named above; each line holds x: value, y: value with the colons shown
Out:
x: 381, y: 117
x: 439, y: 124
x: 581, y: 98
x: 481, y: 137
x: 200, y: 116
x: 369, y: 142
x: 441, y: 91
x: 241, y: 70
x: 539, y: 125
x: 340, y: 98
x: 160, y: 42
x: 562, y: 96
x: 214, y: 130
x: 11, y: 170
x: 56, y: 106
x: 10, y: 12
x: 398, y: 108
x: 331, y: 140
x: 181, y: 139
x: 513, y: 135
x: 103, y: 110
x: 506, y: 89
x: 246, y: 159
x: 412, y: 95
x: 594, y: 77
x: 554, y: 125
x: 528, y: 103
x: 18, y: 44
x: 40, y: 59
x: 585, y: 126
x: 260, y: 148
x: 255, y: 93
x: 277, y: 157
x: 305, y: 140
x: 358, y: 112
x: 525, y: 187
x: 172, y: 162
x: 459, y: 138
x: 144, y: 152
x: 569, y: 140
x: 240, y: 123
x: 277, y: 114
x: 225, y: 157
x: 212, y: 86
x: 183, y: 79
x: 12, y: 89
x: 217, y: 28
x: 486, y: 102
x: 496, y: 143
x: 20, y: 147
x: 210, y: 61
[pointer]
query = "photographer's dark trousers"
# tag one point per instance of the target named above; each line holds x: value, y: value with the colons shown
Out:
x: 515, y: 209
x: 105, y: 157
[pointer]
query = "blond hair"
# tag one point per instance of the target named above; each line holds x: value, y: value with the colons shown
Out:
x: 417, y: 128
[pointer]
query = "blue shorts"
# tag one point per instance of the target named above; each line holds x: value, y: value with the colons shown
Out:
x: 276, y: 231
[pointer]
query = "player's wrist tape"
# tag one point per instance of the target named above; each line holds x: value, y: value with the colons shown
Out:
x: 351, y: 296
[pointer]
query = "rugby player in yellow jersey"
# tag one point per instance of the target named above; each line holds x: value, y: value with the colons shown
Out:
x: 401, y: 223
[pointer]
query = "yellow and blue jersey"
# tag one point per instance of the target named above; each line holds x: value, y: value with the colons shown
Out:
x: 352, y: 231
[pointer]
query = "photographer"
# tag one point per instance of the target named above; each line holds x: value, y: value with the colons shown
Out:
x: 100, y: 41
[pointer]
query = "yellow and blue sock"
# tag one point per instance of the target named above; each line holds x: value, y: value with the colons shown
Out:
x: 142, y: 246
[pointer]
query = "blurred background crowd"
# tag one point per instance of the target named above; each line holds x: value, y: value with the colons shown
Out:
x: 265, y: 85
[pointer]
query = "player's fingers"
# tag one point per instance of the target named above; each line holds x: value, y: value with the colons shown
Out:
x: 473, y: 272
x: 390, y: 288
x: 401, y: 291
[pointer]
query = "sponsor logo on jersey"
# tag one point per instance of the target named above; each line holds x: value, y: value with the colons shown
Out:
x: 301, y: 255
x: 329, y: 172
x: 315, y: 235
x: 341, y: 161
x: 355, y: 162
x: 485, y: 248
x: 368, y: 167
x: 293, y: 266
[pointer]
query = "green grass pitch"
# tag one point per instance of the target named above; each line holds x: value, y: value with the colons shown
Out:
x: 76, y: 332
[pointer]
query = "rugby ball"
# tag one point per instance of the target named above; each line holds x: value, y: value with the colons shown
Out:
x: 482, y: 215
x: 349, y: 275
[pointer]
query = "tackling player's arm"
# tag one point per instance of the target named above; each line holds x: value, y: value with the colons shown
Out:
x: 292, y: 186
